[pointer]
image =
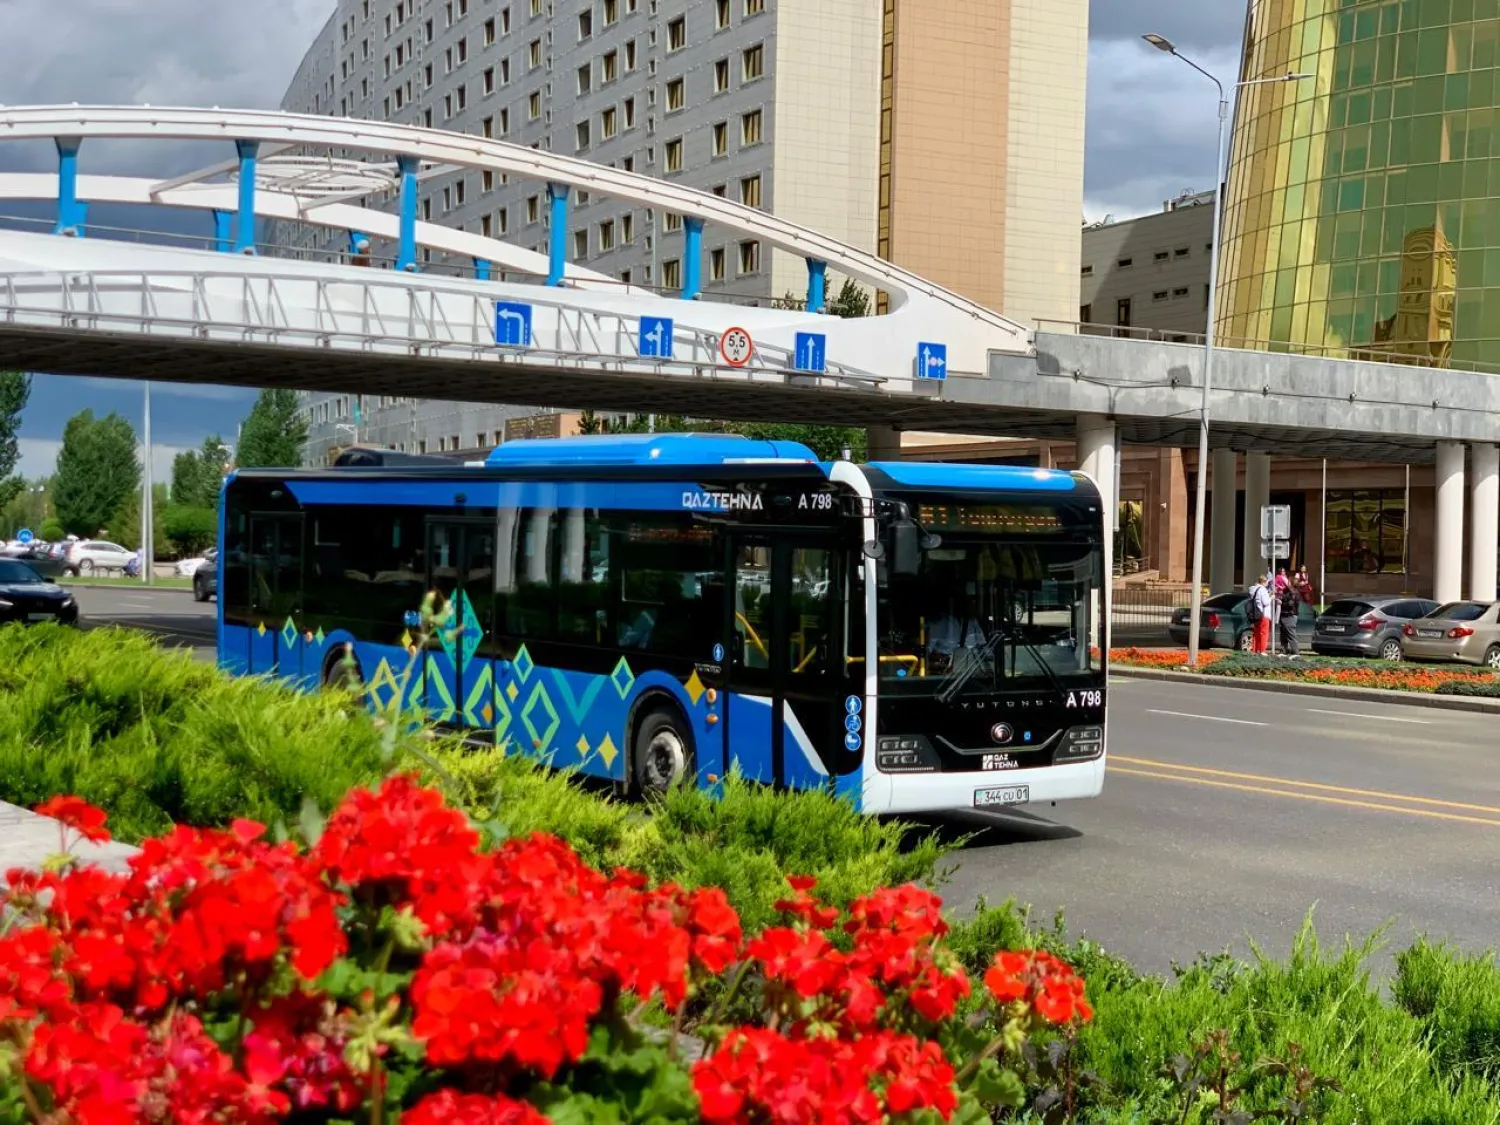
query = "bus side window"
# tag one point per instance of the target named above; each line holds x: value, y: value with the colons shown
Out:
x: 808, y: 622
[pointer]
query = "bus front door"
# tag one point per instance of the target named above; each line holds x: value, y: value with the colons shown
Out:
x: 275, y: 595
x: 784, y: 714
x: 456, y: 681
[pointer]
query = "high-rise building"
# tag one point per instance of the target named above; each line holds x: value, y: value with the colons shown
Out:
x: 947, y: 137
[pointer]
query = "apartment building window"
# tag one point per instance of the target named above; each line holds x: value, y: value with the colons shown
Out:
x: 463, y: 51
x: 448, y: 61
x: 533, y: 208
x: 428, y: 34
x: 716, y: 264
x: 721, y: 14
x: 463, y: 8
x: 628, y: 164
x: 629, y: 107
x: 671, y: 274
x: 671, y: 222
x: 1161, y: 256
x: 750, y: 257
x: 750, y: 128
x: 677, y: 34
x: 400, y: 97
x: 487, y: 80
x: 753, y: 63
x: 387, y: 25
x: 1181, y: 252
x: 676, y: 94
x: 427, y: 77
x: 534, y: 105
x: 536, y: 8
x: 1122, y: 312
x: 1086, y: 314
x: 585, y: 78
x: 505, y: 72
x: 581, y: 243
x: 611, y: 12
x: 754, y: 7
x: 721, y: 76
x: 585, y: 25
x: 721, y: 190
x: 581, y: 132
x: 502, y: 220
x: 1180, y: 292
x: 427, y: 209
x: 721, y: 138
x: 489, y: 32
x: 674, y: 155
x: 608, y: 124
x: 534, y: 54
x: 625, y: 277
x: 627, y: 229
x: 606, y: 236
x: 487, y: 127
x: 486, y: 226
x: 1087, y: 271
x: 504, y: 21
x: 750, y: 191
x: 609, y: 66
x: 1159, y: 295
x: 447, y: 199
x: 1125, y: 263
x: 487, y: 181
x: 387, y: 62
x: 630, y: 56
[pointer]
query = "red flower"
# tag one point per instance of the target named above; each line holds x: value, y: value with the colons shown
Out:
x: 1041, y: 983
x: 79, y: 815
x: 298, y: 1043
x: 447, y: 1107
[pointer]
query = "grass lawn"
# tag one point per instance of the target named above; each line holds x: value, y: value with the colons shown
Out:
x: 156, y: 583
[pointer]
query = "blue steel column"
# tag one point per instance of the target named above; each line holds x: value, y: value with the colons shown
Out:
x: 223, y: 231
x: 70, y: 213
x: 481, y: 269
x: 244, y: 241
x: 557, y: 258
x: 692, y: 259
x: 817, y: 285
x: 406, y: 251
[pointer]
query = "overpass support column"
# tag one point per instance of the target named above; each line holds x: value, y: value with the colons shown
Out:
x: 406, y: 243
x: 1448, y: 561
x: 244, y: 241
x: 692, y: 258
x: 481, y: 269
x: 1484, y: 527
x: 557, y: 245
x: 223, y: 232
x: 817, y: 285
x: 70, y: 213
x: 1257, y: 496
x: 1221, y: 534
x: 1097, y: 445
x: 883, y: 443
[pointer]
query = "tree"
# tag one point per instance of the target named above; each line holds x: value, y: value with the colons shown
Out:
x: 15, y: 390
x: 273, y: 434
x: 29, y: 506
x: 53, y: 530
x: 125, y: 524
x: 852, y: 302
x: 191, y: 530
x: 96, y: 470
x: 198, y: 473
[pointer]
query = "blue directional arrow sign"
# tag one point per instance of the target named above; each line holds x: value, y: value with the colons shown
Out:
x: 24, y: 535
x: 656, y: 337
x: 932, y: 361
x: 811, y: 352
x: 512, y: 324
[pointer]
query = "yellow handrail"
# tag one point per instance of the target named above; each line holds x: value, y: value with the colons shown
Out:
x: 754, y: 636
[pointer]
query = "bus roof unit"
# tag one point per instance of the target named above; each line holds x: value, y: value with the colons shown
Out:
x: 645, y: 449
x: 913, y: 474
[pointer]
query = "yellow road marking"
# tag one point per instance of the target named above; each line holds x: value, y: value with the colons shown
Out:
x: 1401, y: 797
x: 1429, y: 814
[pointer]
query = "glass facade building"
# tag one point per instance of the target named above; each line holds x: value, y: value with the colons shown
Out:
x: 1362, y: 212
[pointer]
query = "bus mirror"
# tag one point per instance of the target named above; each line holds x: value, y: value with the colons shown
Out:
x: 906, y: 549
x: 874, y: 550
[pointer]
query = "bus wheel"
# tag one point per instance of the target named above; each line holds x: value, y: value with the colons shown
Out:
x: 663, y: 752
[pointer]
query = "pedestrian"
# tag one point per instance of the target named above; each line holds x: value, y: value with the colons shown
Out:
x: 1260, y: 609
x: 1290, y: 605
x: 1305, y: 586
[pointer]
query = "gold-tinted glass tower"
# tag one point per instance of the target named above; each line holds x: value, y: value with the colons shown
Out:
x: 1362, y: 214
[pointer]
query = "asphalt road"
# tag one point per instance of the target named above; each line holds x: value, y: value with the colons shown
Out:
x: 1227, y: 815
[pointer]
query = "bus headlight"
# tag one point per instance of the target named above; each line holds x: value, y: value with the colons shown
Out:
x: 905, y: 753
x: 1080, y: 744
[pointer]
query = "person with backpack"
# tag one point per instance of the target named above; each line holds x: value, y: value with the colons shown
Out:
x: 1259, y: 612
x: 1289, y: 605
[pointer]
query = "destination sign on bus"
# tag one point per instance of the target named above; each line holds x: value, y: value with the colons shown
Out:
x: 989, y: 518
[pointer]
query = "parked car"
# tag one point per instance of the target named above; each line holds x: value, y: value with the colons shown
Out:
x: 206, y: 577
x: 186, y: 568
x: 26, y: 596
x: 1456, y: 633
x: 1367, y: 626
x: 1226, y: 624
x: 85, y: 556
x: 45, y: 559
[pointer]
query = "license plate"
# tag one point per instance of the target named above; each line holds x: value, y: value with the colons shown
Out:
x: 40, y: 616
x: 1334, y: 628
x: 1002, y: 795
x: 1429, y: 632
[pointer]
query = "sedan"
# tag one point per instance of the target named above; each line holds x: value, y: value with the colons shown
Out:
x: 1225, y: 623
x: 1367, y: 626
x: 186, y: 568
x: 44, y: 560
x: 1456, y: 633
x: 26, y: 596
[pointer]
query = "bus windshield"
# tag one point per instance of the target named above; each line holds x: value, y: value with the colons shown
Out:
x: 984, y: 614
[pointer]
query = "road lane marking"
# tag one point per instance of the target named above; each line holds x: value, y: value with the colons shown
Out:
x: 1205, y: 718
x: 1429, y: 814
x: 1364, y: 715
x: 1384, y: 796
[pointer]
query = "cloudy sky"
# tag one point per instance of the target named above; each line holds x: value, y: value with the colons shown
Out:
x: 1151, y: 125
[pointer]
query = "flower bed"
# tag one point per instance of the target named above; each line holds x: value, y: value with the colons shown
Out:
x: 394, y: 965
x: 1419, y: 678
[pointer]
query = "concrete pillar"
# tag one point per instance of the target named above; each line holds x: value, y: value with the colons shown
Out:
x: 557, y: 244
x: 406, y: 243
x: 692, y: 258
x: 1226, y: 486
x: 1257, y: 496
x: 883, y: 443
x: 70, y: 213
x: 817, y: 285
x: 1448, y: 552
x: 1096, y: 457
x: 1484, y: 522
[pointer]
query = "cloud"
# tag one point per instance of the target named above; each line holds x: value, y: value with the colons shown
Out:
x: 210, y: 391
x: 39, y: 458
x: 1194, y: 25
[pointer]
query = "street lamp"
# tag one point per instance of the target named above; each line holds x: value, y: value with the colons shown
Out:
x: 1161, y: 43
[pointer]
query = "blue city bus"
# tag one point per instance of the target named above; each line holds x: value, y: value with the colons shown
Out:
x: 652, y: 608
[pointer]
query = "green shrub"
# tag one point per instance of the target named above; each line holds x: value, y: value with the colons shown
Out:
x: 1456, y: 998
x: 1484, y: 688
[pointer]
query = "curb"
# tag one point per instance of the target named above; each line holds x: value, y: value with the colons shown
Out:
x: 1326, y: 691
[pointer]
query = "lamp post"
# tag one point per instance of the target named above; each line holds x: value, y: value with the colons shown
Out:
x: 1161, y: 43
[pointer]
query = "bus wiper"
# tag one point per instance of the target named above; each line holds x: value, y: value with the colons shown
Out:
x: 974, y: 660
x: 1041, y: 662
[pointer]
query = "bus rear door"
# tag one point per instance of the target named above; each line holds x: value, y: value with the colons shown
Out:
x: 275, y: 594
x: 457, y: 678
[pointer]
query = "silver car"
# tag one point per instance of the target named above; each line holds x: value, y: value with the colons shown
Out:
x: 1456, y: 633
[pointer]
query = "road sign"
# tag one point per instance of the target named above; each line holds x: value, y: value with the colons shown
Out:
x: 24, y: 535
x: 932, y: 361
x: 1275, y: 521
x: 736, y: 347
x: 656, y: 337
x: 1273, y: 549
x: 512, y: 324
x: 811, y: 352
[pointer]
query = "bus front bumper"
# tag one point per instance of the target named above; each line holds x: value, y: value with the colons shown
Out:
x: 945, y: 792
